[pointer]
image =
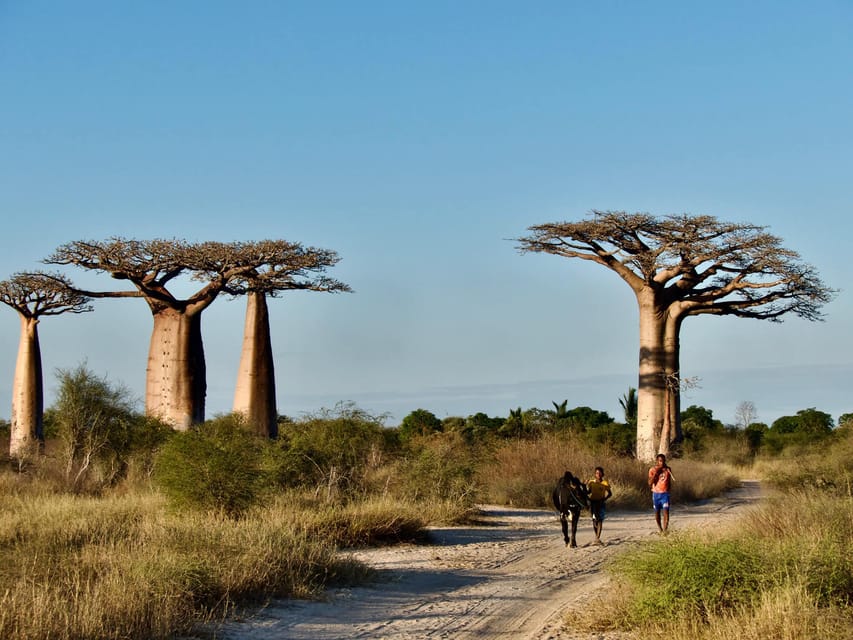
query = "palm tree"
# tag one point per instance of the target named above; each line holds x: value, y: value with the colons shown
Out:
x: 629, y: 405
x: 561, y: 410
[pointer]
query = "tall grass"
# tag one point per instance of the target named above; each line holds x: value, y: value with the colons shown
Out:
x: 523, y: 472
x: 784, y: 571
x: 126, y: 567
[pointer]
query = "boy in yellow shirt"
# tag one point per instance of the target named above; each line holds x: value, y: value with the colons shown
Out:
x: 599, y: 492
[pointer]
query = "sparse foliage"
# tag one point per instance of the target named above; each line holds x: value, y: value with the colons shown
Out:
x: 95, y: 423
x: 745, y: 414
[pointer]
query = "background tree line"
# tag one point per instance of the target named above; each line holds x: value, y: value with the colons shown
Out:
x: 677, y: 266
x: 99, y: 439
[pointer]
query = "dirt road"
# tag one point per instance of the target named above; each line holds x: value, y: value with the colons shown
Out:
x: 512, y: 578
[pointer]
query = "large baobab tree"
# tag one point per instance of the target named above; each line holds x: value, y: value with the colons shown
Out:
x: 299, y: 268
x: 33, y: 295
x: 680, y: 266
x: 175, y: 385
x: 175, y: 378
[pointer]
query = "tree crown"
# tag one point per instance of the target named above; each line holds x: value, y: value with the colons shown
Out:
x: 694, y: 264
x: 39, y: 293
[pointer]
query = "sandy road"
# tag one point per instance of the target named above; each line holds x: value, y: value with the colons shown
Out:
x: 512, y: 578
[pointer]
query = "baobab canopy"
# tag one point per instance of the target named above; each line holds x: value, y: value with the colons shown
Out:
x: 175, y: 380
x: 679, y: 266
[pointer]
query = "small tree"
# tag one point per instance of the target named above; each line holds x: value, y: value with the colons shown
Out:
x: 514, y: 426
x: 94, y: 422
x: 419, y: 422
x: 745, y: 414
x: 629, y: 406
x: 584, y: 418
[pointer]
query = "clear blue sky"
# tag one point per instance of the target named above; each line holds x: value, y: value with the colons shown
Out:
x: 417, y: 139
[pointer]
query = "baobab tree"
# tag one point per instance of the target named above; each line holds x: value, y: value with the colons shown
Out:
x: 302, y: 269
x: 680, y: 266
x: 175, y: 385
x: 33, y: 295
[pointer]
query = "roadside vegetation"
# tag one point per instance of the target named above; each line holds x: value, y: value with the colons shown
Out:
x: 785, y: 570
x: 124, y: 528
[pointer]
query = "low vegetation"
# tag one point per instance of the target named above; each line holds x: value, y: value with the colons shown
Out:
x: 123, y: 528
x: 784, y: 571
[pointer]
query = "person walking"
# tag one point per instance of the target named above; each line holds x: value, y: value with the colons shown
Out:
x: 599, y: 492
x: 660, y: 482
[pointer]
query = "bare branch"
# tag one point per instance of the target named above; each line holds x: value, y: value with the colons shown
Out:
x: 705, y: 265
x: 37, y: 293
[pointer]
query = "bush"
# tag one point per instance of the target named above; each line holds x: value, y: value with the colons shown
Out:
x: 691, y: 578
x: 336, y: 450
x: 216, y: 467
x: 98, y: 428
x: 440, y: 467
x: 419, y: 422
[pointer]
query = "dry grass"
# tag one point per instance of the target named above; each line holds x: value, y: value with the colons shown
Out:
x: 784, y: 571
x: 788, y: 613
x: 126, y: 567
x: 367, y: 521
x: 523, y: 473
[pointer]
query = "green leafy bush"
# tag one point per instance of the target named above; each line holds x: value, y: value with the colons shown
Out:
x: 419, y: 422
x: 690, y: 577
x: 217, y: 466
x: 98, y: 430
x: 336, y: 450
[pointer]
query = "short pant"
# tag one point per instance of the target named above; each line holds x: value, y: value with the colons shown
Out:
x: 660, y: 500
x: 596, y: 508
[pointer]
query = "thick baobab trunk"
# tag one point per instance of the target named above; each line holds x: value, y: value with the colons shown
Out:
x: 672, y: 345
x: 254, y: 396
x: 27, y: 393
x: 175, y: 385
x: 651, y: 385
x: 671, y: 431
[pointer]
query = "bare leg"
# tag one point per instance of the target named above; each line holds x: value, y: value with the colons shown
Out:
x: 657, y: 519
x: 665, y: 520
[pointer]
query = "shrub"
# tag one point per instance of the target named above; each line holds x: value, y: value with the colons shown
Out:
x: 439, y: 467
x: 217, y: 466
x: 690, y: 577
x: 419, y: 422
x: 97, y: 426
x: 333, y: 450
